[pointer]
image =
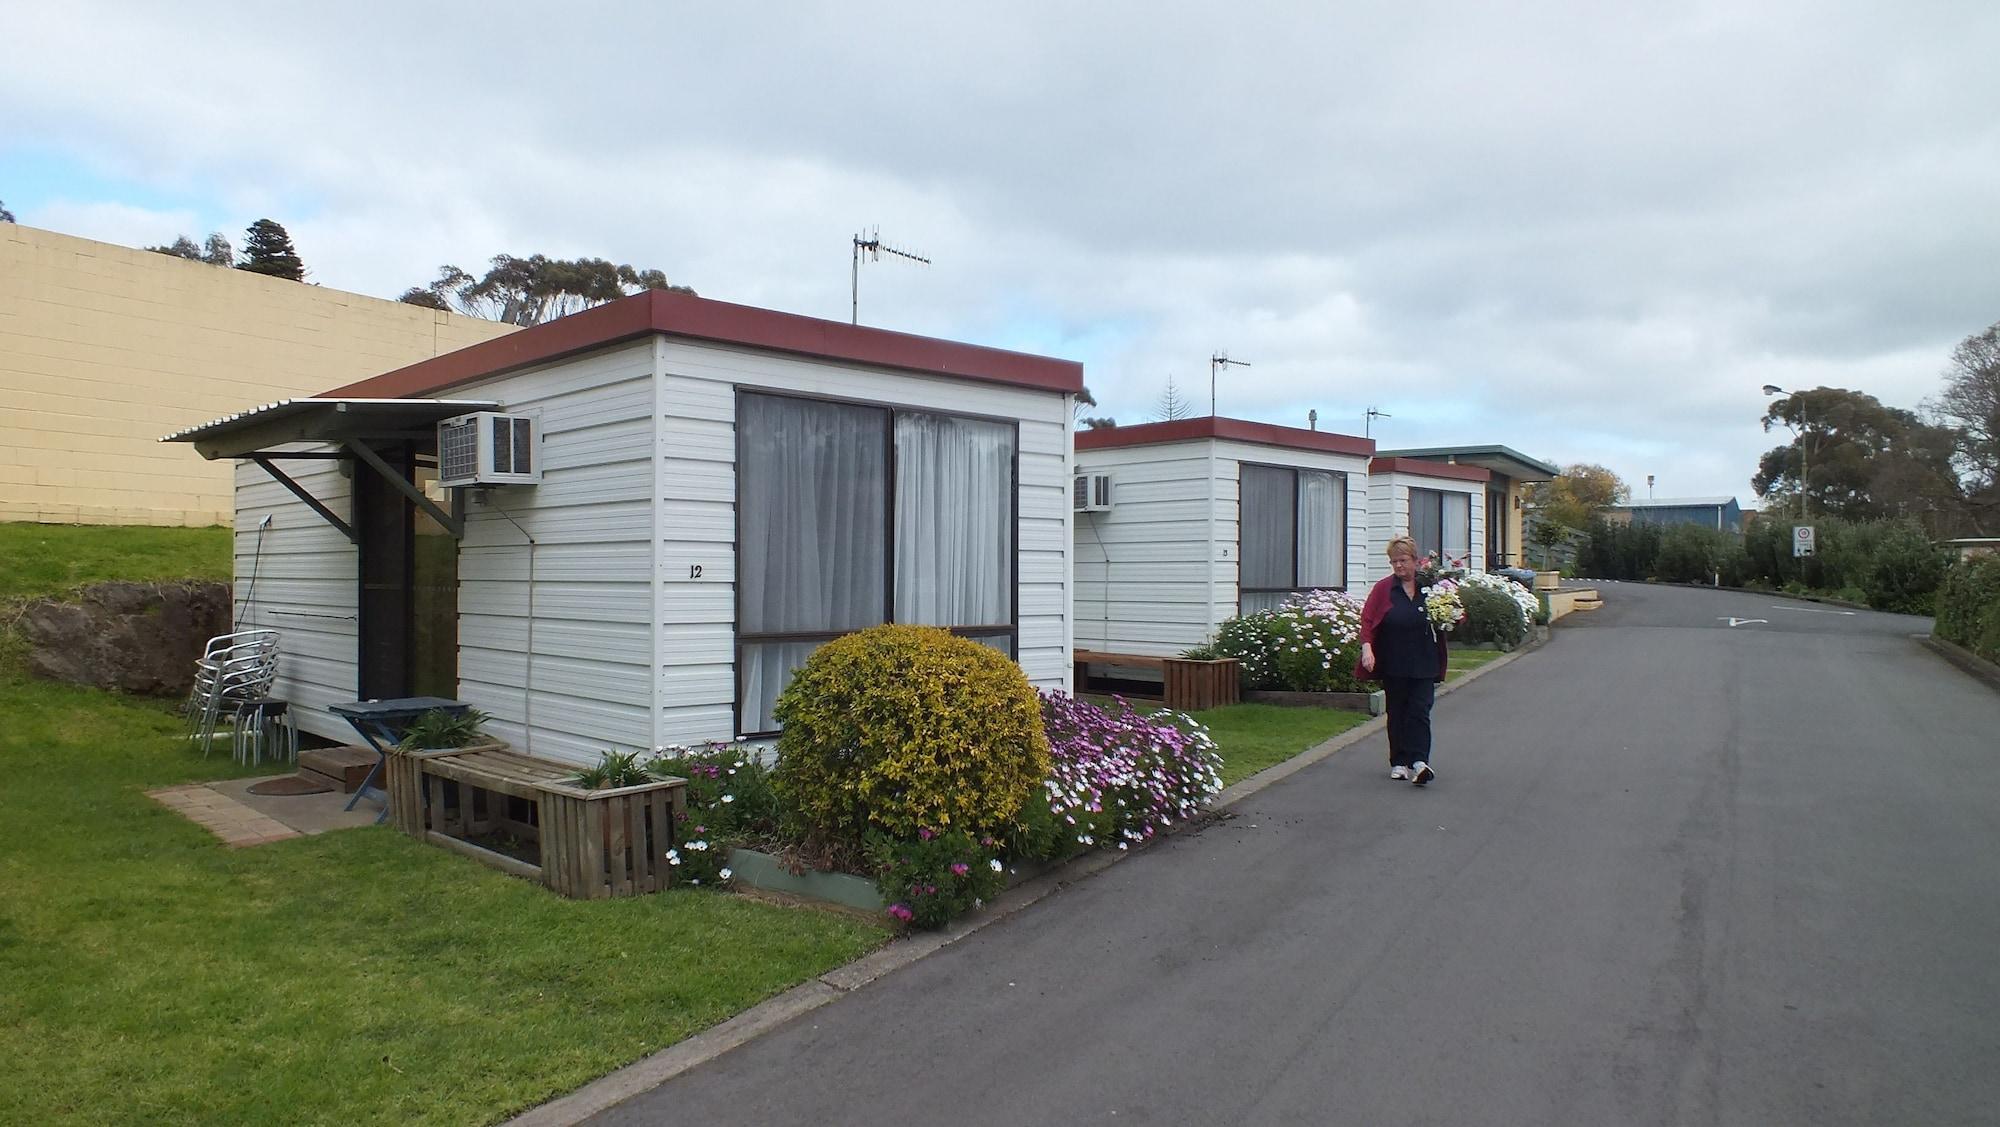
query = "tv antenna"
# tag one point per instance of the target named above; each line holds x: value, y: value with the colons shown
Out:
x: 872, y: 246
x: 1215, y: 363
x: 1368, y: 421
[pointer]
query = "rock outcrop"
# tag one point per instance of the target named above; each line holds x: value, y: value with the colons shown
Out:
x: 133, y: 637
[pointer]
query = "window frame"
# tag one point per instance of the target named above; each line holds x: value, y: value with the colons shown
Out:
x: 1346, y: 531
x: 1409, y: 515
x: 1011, y: 629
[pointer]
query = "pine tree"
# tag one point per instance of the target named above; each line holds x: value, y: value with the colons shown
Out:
x: 267, y: 249
x: 1173, y: 405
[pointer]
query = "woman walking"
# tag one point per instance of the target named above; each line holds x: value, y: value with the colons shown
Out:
x: 1400, y: 648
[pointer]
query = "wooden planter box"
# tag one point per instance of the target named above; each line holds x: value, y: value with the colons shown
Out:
x: 591, y: 844
x: 1373, y: 703
x: 1194, y: 685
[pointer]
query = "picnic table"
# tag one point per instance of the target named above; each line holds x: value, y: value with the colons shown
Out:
x: 383, y: 723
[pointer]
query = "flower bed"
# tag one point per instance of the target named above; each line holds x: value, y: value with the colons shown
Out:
x: 1309, y: 645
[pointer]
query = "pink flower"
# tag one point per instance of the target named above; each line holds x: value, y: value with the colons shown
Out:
x: 902, y: 912
x: 923, y: 835
x: 960, y: 868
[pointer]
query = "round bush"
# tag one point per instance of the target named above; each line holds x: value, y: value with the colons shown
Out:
x: 902, y: 729
x: 1905, y: 571
x: 1497, y: 609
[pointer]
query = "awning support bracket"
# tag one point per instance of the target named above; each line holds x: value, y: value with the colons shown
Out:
x: 453, y: 523
x: 299, y: 491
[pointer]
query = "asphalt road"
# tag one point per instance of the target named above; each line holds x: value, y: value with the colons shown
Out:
x: 1673, y: 871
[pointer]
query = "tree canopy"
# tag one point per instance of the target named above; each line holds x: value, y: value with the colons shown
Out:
x: 1852, y: 457
x: 216, y: 251
x: 529, y: 291
x: 1581, y: 491
x: 267, y: 249
x: 1969, y: 406
x: 5, y: 215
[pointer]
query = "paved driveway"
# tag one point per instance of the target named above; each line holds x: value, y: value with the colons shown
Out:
x: 1674, y: 871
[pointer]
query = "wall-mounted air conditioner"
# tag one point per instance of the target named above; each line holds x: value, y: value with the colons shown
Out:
x: 488, y: 448
x: 1090, y: 493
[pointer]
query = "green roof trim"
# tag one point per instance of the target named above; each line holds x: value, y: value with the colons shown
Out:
x: 1500, y: 459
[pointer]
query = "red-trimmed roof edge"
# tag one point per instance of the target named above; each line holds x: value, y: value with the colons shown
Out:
x: 1214, y: 426
x: 700, y: 318
x: 1420, y: 468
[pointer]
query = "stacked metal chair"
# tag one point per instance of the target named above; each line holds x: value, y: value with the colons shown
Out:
x: 232, y: 686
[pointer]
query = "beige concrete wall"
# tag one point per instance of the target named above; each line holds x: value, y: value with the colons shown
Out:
x: 103, y: 349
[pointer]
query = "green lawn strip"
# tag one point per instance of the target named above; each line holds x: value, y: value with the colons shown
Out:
x: 1252, y: 737
x: 150, y: 974
x: 39, y: 560
x: 1255, y: 736
x: 1459, y: 661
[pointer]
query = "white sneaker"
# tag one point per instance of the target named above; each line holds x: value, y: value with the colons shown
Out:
x: 1400, y: 774
x: 1421, y: 773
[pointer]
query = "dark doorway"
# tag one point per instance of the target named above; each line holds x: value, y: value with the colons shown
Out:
x: 382, y: 521
x: 409, y: 585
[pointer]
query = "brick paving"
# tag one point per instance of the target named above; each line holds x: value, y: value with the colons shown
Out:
x: 236, y: 824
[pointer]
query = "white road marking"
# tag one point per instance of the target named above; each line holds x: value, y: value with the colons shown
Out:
x: 1742, y: 621
x: 1811, y: 610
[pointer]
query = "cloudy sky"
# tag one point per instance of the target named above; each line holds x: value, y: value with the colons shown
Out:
x: 1586, y: 230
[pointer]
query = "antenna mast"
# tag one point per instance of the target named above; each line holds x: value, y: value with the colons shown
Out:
x: 1218, y: 361
x: 1368, y: 421
x: 873, y: 247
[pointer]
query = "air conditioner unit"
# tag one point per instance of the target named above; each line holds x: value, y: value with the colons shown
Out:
x: 1090, y: 493
x: 488, y: 448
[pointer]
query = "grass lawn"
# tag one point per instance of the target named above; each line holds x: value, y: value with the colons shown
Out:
x: 1252, y: 737
x: 148, y: 974
x: 49, y: 559
x: 1459, y: 662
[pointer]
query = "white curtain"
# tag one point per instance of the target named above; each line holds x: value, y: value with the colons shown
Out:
x: 954, y: 521
x: 812, y: 514
x: 1322, y: 530
x: 1267, y: 526
x: 1457, y: 531
x: 1250, y: 602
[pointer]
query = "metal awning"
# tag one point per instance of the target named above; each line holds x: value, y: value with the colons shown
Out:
x: 259, y: 430
x: 353, y: 426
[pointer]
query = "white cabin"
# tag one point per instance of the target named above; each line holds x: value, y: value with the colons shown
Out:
x: 1182, y: 525
x: 716, y: 490
x: 1441, y: 505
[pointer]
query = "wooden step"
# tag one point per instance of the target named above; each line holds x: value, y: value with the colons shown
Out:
x: 342, y: 767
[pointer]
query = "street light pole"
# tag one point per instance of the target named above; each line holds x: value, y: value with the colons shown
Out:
x: 1805, y: 452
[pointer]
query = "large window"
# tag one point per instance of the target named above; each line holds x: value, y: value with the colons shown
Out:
x: 1441, y: 522
x: 1292, y: 533
x: 851, y: 515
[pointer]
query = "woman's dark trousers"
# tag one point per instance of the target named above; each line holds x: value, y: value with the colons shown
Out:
x: 1409, y: 719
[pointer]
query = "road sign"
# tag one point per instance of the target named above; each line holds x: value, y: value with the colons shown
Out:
x: 1802, y: 540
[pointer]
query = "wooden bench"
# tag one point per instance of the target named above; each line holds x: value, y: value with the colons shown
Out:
x: 1186, y: 685
x: 592, y: 843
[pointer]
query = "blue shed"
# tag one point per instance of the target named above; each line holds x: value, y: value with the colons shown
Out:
x: 1720, y: 513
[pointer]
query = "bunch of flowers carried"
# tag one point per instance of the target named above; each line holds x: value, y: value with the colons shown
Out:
x: 1443, y: 606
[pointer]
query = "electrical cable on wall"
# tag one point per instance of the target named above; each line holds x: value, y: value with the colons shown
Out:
x: 528, y: 656
x: 256, y: 565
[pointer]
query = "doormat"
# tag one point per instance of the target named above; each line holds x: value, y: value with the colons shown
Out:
x: 290, y: 784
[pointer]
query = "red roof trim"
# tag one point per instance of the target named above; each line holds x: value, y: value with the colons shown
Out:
x: 1211, y: 426
x: 1421, y: 468
x: 683, y: 315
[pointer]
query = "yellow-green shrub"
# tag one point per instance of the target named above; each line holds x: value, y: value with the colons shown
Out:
x: 904, y: 728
